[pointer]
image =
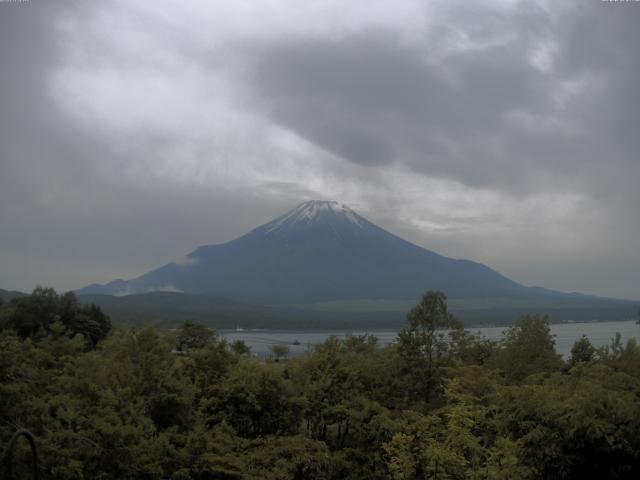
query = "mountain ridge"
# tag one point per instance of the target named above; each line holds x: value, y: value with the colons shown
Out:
x: 320, y: 251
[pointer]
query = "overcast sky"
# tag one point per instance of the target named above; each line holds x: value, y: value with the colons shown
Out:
x: 503, y: 131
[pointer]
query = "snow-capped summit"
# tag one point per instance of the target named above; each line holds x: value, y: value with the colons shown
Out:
x: 315, y: 211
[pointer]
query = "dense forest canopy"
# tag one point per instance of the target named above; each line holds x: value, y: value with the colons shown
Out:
x: 106, y: 403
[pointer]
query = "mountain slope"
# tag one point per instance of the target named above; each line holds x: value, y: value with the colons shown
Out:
x: 320, y: 251
x: 8, y: 295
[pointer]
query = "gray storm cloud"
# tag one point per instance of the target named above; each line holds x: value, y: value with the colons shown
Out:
x: 500, y: 131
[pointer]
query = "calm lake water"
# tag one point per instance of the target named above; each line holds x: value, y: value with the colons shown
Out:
x: 300, y: 341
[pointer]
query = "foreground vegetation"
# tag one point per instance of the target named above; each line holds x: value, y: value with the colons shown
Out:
x: 121, y: 403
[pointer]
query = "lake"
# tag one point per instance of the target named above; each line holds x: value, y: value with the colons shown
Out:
x: 300, y: 341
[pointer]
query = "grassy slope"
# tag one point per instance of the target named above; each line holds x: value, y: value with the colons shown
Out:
x: 169, y: 309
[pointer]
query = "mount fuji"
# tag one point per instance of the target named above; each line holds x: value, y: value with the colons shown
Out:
x: 320, y: 251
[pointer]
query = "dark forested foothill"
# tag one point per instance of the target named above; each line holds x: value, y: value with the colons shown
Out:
x: 439, y: 403
x: 45, y: 312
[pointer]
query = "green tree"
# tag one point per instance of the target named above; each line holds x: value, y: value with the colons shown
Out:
x: 621, y: 356
x: 144, y: 370
x: 239, y: 347
x: 256, y: 400
x: 469, y: 348
x: 34, y: 316
x: 422, y: 345
x: 206, y: 367
x: 329, y: 384
x: 34, y: 313
x: 528, y: 347
x: 577, y: 425
x: 286, y: 458
x: 194, y: 335
x: 582, y: 351
x: 89, y: 321
x: 280, y: 351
